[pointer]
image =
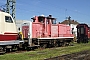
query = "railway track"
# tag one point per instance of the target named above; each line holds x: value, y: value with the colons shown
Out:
x: 84, y: 55
x: 29, y: 49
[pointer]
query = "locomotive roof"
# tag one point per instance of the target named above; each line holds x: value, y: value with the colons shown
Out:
x: 45, y: 17
x: 82, y: 24
x: 7, y: 14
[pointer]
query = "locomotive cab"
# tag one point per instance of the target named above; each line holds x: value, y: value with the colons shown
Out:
x: 38, y: 19
x: 51, y: 20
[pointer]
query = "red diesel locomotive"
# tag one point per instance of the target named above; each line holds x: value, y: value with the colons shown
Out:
x: 44, y: 31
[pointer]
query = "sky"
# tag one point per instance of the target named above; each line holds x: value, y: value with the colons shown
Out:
x: 79, y: 10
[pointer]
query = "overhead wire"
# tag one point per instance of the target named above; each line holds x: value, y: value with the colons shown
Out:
x: 54, y: 6
x: 63, y: 8
x: 59, y: 8
x: 49, y: 9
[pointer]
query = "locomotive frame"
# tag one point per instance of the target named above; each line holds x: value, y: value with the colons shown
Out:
x: 45, y: 32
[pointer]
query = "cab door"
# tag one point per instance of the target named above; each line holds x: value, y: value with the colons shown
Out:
x: 25, y: 31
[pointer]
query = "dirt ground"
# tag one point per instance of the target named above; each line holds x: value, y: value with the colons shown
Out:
x: 84, y: 55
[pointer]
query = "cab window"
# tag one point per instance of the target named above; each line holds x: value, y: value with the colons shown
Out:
x: 53, y: 21
x: 8, y: 19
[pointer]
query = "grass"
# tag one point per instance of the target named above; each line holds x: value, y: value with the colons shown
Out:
x: 39, y: 54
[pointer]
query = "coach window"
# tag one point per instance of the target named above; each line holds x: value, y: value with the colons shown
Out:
x: 8, y: 19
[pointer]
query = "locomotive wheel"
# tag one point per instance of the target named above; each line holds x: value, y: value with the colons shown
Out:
x: 64, y: 44
x: 87, y: 41
x: 44, y: 46
x: 2, y: 50
x: 56, y: 45
x: 5, y: 50
x: 78, y: 41
x: 83, y: 41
